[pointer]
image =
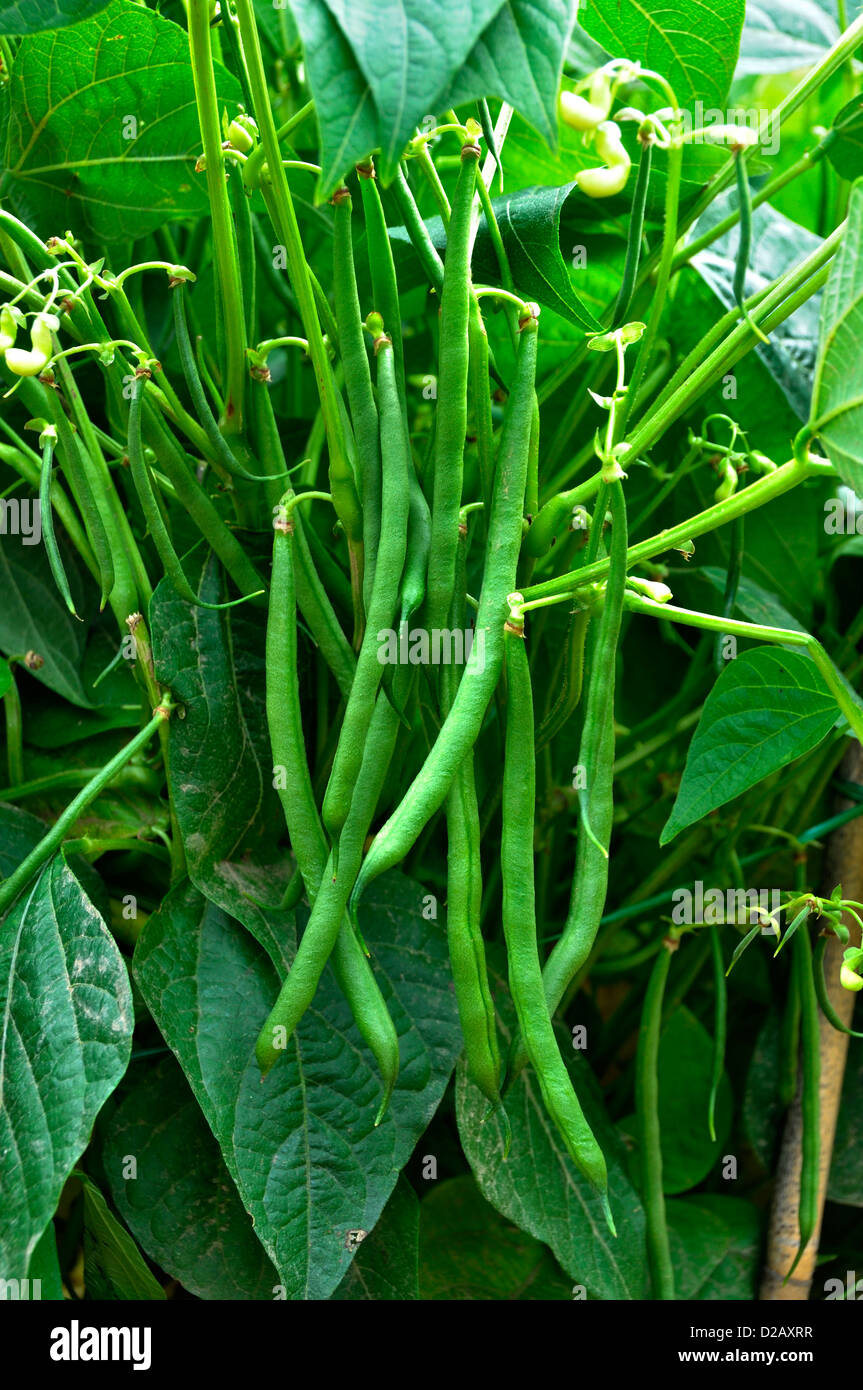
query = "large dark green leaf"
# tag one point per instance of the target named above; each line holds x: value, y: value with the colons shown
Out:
x: 408, y: 72
x: 768, y: 707
x: 715, y: 1243
x: 29, y: 16
x: 302, y: 1148
x: 221, y: 763
x: 385, y: 1266
x: 67, y: 1010
x: 468, y: 1251
x: 693, y: 45
x: 178, y: 1200
x: 837, y: 395
x: 73, y: 153
x: 784, y: 35
x: 519, y: 59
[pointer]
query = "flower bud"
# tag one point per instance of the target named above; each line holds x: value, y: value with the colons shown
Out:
x: 579, y: 113
x: 849, y: 979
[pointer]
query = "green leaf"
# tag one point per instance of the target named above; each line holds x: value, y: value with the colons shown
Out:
x: 715, y: 1244
x: 519, y: 58
x: 29, y: 16
x: 784, y: 36
x: 114, y: 1267
x: 177, y: 1198
x: 837, y: 395
x: 344, y: 104
x: 694, y: 46
x: 385, y: 1267
x: 408, y: 74
x: 67, y: 1010
x: 33, y: 617
x: 309, y: 1164
x: 538, y: 1186
x: 768, y: 707
x: 103, y: 125
x: 469, y: 1252
x: 845, y: 150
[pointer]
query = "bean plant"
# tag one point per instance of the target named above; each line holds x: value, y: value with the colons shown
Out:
x: 430, y: 445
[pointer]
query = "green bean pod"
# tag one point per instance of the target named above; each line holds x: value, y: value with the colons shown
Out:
x: 312, y: 597
x: 418, y: 231
x: 46, y: 517
x: 810, y: 1102
x: 452, y: 386
x: 596, y: 759
x: 324, y: 935
x: 222, y: 453
x: 153, y: 514
x: 480, y: 395
x: 413, y: 587
x: 382, y: 267
x: 720, y: 1025
x: 358, y: 383
x: 461, y: 727
x: 569, y: 693
x: 464, y: 896
x: 73, y: 458
x: 519, y: 924
x: 649, y: 1136
x: 284, y: 718
x: 194, y: 499
x: 395, y: 466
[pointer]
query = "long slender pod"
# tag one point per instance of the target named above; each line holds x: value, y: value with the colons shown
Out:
x: 461, y: 728
x: 596, y: 766
x: 464, y: 896
x: 382, y: 267
x: 46, y: 517
x: 810, y: 1103
x: 720, y: 1025
x: 284, y: 718
x: 324, y: 936
x: 73, y: 460
x: 395, y: 463
x: 519, y: 924
x: 649, y: 1136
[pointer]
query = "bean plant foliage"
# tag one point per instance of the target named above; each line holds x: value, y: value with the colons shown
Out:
x: 430, y: 448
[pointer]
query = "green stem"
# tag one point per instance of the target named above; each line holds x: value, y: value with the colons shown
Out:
x: 764, y: 490
x: 342, y: 484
